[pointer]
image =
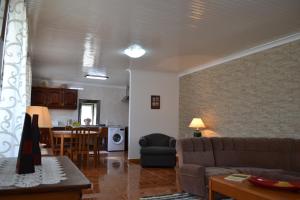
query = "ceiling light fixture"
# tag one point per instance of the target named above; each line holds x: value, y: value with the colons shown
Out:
x: 90, y: 50
x: 76, y: 88
x: 96, y: 77
x: 134, y: 51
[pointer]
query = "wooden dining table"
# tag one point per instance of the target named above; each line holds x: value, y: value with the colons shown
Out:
x: 63, y: 134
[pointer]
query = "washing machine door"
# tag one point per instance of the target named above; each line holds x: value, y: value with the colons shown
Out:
x: 117, y: 138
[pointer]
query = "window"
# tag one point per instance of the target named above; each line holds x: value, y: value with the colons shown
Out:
x: 89, y: 112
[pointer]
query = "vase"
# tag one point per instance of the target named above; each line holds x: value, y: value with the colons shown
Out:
x: 36, y: 150
x: 25, y: 163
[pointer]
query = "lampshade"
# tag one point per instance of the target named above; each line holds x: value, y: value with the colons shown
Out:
x: 197, y: 123
x: 43, y: 113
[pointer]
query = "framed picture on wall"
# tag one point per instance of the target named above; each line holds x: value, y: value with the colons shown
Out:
x: 3, y: 17
x: 155, y: 102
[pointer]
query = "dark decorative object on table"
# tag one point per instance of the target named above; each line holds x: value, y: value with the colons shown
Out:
x: 25, y: 164
x: 36, y: 151
x: 275, y: 184
x: 158, y: 150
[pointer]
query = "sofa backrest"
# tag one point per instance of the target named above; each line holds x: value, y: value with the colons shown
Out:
x: 253, y: 152
x: 195, y: 151
x: 295, y: 156
x: 157, y: 139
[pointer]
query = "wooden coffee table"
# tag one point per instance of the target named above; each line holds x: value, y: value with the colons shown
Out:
x: 246, y: 191
x: 69, y: 189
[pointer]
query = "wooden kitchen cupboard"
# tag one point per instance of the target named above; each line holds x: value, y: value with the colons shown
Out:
x: 55, y: 98
x: 70, y: 98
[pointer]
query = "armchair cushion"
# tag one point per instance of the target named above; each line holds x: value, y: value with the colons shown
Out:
x: 157, y: 150
x: 157, y: 139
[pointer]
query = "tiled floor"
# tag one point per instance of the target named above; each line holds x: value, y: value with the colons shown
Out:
x: 115, y: 178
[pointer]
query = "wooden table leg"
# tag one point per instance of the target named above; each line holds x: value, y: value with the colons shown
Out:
x: 211, y: 192
x: 62, y: 145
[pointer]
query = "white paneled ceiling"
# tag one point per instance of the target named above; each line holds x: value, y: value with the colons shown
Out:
x: 177, y: 34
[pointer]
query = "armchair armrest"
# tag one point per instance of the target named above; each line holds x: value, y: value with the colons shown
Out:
x: 172, y: 142
x: 143, y: 141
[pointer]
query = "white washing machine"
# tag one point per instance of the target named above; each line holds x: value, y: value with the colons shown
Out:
x: 116, y: 139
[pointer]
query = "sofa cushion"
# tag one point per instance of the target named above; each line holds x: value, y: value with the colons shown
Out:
x: 217, y: 171
x: 196, y: 151
x: 288, y: 176
x: 257, y: 171
x: 253, y: 152
x: 158, y: 150
x: 277, y: 174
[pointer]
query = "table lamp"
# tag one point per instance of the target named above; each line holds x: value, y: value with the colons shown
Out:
x: 197, y: 124
x: 40, y: 119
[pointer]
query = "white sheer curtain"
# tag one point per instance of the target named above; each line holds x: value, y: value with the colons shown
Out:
x: 15, y: 78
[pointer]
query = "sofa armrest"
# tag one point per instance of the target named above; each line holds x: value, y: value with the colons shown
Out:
x: 192, y: 179
x: 192, y: 170
x: 172, y: 142
x: 143, y: 141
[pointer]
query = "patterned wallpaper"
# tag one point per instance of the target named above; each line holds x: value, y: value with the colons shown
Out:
x: 254, y: 96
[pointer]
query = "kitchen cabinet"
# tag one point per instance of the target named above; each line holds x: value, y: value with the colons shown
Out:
x: 38, y: 97
x: 55, y: 98
x: 70, y: 98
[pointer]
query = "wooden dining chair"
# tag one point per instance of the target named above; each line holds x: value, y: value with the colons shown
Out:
x: 89, y: 144
x: 103, y: 138
x: 73, y: 150
x: 83, y: 141
x: 55, y: 146
x: 95, y: 147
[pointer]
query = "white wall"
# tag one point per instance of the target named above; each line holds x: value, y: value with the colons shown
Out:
x: 113, y: 110
x: 143, y: 120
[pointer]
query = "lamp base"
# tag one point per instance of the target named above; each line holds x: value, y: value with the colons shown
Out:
x: 197, y: 134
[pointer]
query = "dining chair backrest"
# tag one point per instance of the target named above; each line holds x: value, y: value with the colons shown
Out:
x: 75, y: 138
x: 51, y: 140
x: 82, y: 138
x: 85, y: 138
x: 68, y: 128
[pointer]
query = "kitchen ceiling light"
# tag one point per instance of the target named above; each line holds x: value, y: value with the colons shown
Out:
x: 76, y: 88
x: 134, y: 51
x: 96, y: 77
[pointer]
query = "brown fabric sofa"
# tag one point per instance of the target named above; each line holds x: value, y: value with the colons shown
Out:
x: 200, y: 158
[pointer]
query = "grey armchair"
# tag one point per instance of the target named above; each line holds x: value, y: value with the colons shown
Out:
x: 158, y: 150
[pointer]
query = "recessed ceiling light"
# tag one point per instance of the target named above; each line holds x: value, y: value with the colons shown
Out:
x: 76, y: 88
x: 134, y: 51
x: 96, y: 77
